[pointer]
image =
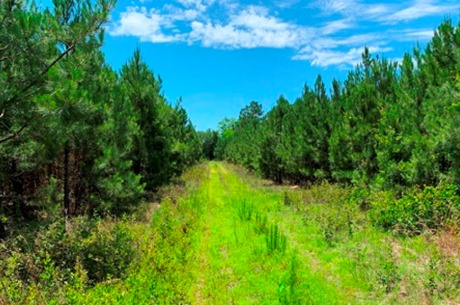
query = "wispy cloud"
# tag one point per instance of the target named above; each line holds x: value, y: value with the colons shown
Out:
x: 285, y: 3
x: 419, y: 9
x: 389, y: 13
x: 358, y: 40
x: 196, y: 4
x: 336, y: 26
x: 328, y: 57
x: 413, y: 35
x: 252, y: 27
x: 335, y: 6
x: 337, y: 37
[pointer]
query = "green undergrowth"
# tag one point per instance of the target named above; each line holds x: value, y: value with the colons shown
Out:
x: 226, y: 237
x: 337, y: 239
x: 418, y: 211
x: 138, y: 259
x: 165, y: 244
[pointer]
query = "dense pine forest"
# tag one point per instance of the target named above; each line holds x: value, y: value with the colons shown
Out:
x: 77, y: 138
x: 389, y: 127
x: 108, y: 197
x: 73, y: 130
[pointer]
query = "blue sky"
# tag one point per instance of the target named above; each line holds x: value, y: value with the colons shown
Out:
x: 219, y: 55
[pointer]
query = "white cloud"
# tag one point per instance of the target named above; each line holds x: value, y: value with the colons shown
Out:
x: 361, y: 39
x: 358, y: 40
x: 150, y: 25
x: 353, y: 8
x: 141, y: 23
x: 250, y: 28
x: 335, y: 26
x: 389, y: 13
x: 197, y: 4
x: 419, y: 9
x: 335, y: 6
x: 376, y: 9
x: 329, y: 51
x: 231, y: 25
x: 256, y: 17
x: 414, y: 35
x: 324, y: 58
x: 285, y: 3
x: 173, y: 13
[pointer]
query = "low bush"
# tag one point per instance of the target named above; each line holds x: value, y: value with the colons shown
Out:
x: 417, y: 211
x: 99, y: 249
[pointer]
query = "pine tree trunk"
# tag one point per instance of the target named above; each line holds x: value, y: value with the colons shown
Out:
x: 17, y: 183
x: 2, y: 231
x: 66, y: 207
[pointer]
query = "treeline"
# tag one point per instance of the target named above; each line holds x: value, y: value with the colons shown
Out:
x: 388, y: 125
x: 75, y: 135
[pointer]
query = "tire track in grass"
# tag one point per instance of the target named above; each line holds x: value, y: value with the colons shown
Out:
x: 206, y: 252
x: 233, y: 265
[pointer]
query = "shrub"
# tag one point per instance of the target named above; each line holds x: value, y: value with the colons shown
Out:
x: 99, y: 249
x: 417, y: 211
x: 107, y: 252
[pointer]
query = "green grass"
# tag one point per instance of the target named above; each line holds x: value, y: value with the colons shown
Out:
x: 231, y: 238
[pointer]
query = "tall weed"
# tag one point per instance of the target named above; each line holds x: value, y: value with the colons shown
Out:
x: 288, y: 290
x: 275, y: 240
x: 245, y: 211
x: 261, y: 223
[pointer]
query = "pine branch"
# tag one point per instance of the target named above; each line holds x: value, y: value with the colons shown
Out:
x: 94, y: 26
x: 17, y: 133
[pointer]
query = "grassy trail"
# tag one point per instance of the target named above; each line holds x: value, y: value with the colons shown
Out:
x: 234, y: 239
x: 235, y: 262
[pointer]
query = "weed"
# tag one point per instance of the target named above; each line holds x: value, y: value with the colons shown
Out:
x: 260, y: 226
x: 287, y: 199
x: 443, y: 275
x: 329, y: 230
x: 288, y: 286
x: 276, y: 241
x: 387, y: 270
x: 336, y: 224
x: 186, y: 253
x: 245, y: 211
x: 433, y: 274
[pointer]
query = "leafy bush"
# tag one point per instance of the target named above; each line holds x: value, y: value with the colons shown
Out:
x: 417, y: 211
x: 90, y: 250
x: 107, y: 252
